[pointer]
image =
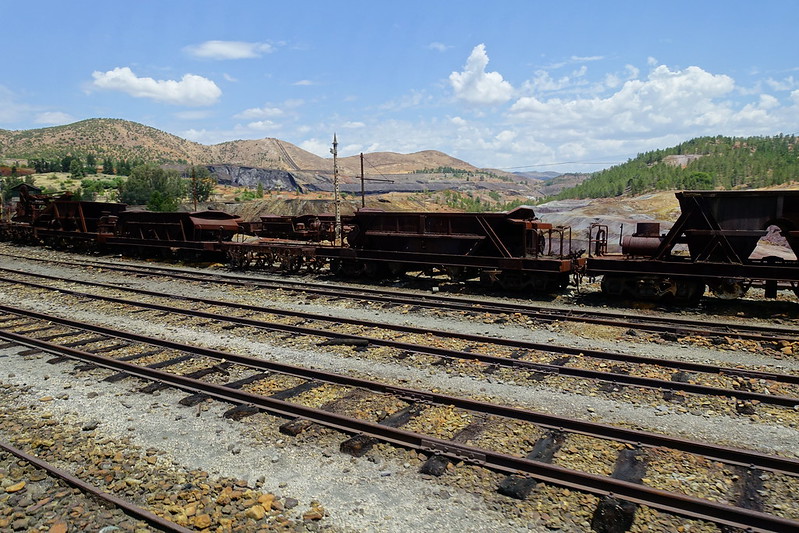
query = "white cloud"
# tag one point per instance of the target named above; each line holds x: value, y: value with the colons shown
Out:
x: 673, y: 99
x: 53, y: 118
x: 10, y: 109
x: 191, y: 90
x: 262, y: 125
x: 316, y: 146
x: 303, y: 83
x: 476, y: 86
x: 438, y: 47
x: 786, y: 84
x: 586, y: 58
x: 413, y: 99
x: 259, y: 112
x: 228, y: 50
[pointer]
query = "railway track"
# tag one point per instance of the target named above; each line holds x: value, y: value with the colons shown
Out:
x: 678, y: 376
x: 360, y: 342
x: 662, y: 324
x: 96, y: 346
x: 52, y: 486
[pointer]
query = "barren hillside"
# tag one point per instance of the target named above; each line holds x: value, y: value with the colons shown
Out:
x: 122, y: 139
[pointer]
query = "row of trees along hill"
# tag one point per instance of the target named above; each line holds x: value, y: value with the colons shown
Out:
x: 701, y: 163
x: 147, y: 184
x: 79, y: 167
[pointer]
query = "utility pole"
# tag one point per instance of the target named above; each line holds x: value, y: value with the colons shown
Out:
x: 194, y: 187
x: 363, y: 194
x: 336, y: 199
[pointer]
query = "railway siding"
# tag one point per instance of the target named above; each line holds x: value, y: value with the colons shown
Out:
x: 551, y: 508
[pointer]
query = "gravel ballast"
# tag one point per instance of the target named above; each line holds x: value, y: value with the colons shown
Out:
x: 381, y: 491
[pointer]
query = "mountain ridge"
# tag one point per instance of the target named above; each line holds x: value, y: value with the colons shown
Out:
x: 123, y: 139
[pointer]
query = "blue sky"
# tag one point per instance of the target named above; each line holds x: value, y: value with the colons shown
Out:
x: 520, y: 85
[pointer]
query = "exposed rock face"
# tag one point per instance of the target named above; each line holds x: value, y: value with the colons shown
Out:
x: 237, y: 176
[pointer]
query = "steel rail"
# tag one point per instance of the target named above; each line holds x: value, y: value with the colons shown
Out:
x: 151, y: 518
x: 675, y: 325
x: 611, y: 377
x: 670, y: 502
x: 735, y: 456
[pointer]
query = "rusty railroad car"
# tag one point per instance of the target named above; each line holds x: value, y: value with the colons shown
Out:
x: 710, y: 245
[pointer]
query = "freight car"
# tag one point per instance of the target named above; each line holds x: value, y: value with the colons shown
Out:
x: 65, y: 223
x: 514, y: 250
x: 710, y: 245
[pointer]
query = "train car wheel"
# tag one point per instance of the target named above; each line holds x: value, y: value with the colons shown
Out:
x: 375, y: 270
x: 292, y: 264
x: 517, y: 281
x: 728, y: 288
x: 613, y: 285
x: 314, y: 264
x: 336, y: 267
x: 688, y: 292
x: 397, y: 269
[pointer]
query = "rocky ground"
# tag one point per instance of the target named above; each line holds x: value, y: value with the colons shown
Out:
x: 211, y: 473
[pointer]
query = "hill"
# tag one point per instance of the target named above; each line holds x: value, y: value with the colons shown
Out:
x: 124, y: 140
x: 701, y: 163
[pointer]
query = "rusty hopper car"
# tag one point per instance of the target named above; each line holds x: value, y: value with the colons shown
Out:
x: 66, y: 223
x: 63, y: 222
x: 199, y: 233
x: 711, y: 244
x: 514, y: 249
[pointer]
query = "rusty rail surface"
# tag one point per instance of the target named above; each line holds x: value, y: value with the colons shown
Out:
x: 674, y: 325
x: 724, y: 454
x: 611, y: 377
x: 600, y: 485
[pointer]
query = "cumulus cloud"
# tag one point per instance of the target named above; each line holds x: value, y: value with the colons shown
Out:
x: 53, y: 118
x: 262, y: 125
x: 785, y: 84
x: 223, y: 50
x: 191, y: 90
x: 669, y: 99
x: 259, y: 112
x: 476, y: 86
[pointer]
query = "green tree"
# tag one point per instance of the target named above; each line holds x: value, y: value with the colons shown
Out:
x: 201, y: 182
x: 159, y: 189
x: 160, y: 201
x: 91, y: 164
x: 260, y: 190
x: 76, y: 170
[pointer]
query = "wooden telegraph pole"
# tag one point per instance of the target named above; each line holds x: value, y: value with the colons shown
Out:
x: 363, y: 194
x: 336, y: 199
x: 194, y: 187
